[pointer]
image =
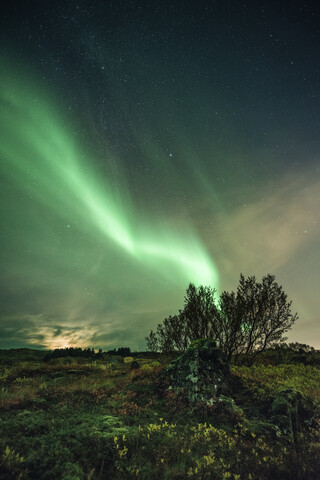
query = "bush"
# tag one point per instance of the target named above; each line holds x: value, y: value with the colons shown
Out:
x: 243, y: 322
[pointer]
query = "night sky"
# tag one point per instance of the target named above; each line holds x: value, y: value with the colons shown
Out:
x: 146, y: 145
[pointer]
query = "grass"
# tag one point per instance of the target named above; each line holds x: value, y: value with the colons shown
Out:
x: 94, y: 420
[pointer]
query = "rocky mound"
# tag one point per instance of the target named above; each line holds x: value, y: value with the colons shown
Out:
x: 201, y: 371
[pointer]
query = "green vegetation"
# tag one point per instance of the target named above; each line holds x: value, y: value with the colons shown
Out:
x: 99, y: 418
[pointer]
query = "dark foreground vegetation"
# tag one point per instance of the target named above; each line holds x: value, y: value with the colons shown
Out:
x: 113, y: 417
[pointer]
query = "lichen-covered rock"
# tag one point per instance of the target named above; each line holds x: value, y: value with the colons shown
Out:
x: 201, y: 372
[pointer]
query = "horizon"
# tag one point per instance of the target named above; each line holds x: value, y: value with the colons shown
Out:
x: 114, y: 349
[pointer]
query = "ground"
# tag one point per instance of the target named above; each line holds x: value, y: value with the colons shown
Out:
x: 76, y: 418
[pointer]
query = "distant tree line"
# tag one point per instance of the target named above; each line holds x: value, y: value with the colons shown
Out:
x: 73, y: 352
x: 88, y: 353
x: 123, y: 351
x: 247, y: 321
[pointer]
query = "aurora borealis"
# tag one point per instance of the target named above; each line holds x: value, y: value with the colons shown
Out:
x: 143, y: 148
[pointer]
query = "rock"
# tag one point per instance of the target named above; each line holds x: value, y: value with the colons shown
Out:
x: 201, y: 371
x: 134, y: 365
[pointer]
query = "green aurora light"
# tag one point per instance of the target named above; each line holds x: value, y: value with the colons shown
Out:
x: 141, y: 152
x: 39, y: 155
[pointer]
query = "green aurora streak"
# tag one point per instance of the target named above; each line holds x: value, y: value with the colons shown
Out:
x: 38, y: 154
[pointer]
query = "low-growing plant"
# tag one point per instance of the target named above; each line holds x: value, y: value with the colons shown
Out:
x: 86, y: 422
x: 11, y: 465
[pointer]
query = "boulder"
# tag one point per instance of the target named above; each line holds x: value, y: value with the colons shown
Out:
x: 201, y: 371
x: 134, y: 365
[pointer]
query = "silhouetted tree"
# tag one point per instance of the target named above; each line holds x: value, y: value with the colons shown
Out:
x: 243, y: 322
x: 193, y: 322
x: 301, y: 347
x: 255, y: 317
x: 124, y: 351
x: 71, y: 352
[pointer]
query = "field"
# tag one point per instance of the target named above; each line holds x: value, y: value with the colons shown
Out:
x: 76, y: 418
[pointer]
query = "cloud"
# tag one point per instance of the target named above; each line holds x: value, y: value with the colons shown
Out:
x: 18, y: 331
x: 266, y: 234
x: 273, y: 232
